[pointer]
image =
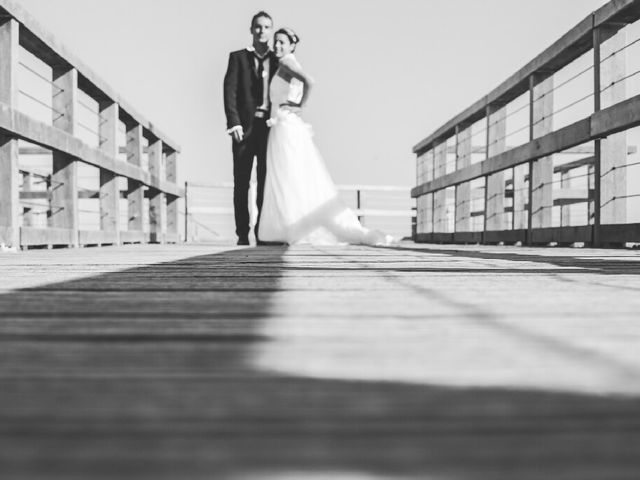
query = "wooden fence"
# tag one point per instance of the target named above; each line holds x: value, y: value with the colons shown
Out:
x: 530, y: 191
x: 69, y: 80
x: 208, y: 209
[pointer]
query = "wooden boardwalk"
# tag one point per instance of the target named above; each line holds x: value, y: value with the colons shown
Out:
x: 417, y: 362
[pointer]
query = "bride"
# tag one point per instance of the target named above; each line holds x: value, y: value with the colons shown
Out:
x: 301, y: 202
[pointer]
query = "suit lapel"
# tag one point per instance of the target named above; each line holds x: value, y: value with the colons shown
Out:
x: 251, y: 64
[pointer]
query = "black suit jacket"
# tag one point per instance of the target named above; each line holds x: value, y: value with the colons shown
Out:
x: 242, y: 88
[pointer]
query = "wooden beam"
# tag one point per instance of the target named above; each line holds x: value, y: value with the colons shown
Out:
x: 135, y: 194
x: 173, y: 216
x: 542, y: 168
x: 440, y: 223
x: 567, y: 137
x: 27, y: 188
x: 109, y: 181
x: 64, y: 178
x: 157, y: 207
x: 495, y: 218
x: 97, y: 237
x: 463, y: 190
x: 22, y: 126
x: 613, y: 182
x: 9, y: 201
x: 31, y: 236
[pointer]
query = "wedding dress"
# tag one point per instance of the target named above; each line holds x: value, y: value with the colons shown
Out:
x: 301, y: 204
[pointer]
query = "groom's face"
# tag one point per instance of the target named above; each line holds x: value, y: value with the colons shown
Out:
x: 261, y: 30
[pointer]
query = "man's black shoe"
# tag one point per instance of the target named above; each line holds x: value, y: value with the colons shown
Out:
x: 244, y: 241
x: 262, y: 243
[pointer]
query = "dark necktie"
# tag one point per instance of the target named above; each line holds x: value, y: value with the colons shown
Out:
x: 260, y: 77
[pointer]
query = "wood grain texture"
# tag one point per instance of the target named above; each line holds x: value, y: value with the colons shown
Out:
x: 413, y: 362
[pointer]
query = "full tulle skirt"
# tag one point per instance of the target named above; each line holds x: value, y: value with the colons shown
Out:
x: 301, y: 204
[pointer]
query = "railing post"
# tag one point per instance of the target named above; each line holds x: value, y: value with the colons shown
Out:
x: 27, y: 186
x: 494, y: 218
x: 440, y: 197
x: 172, y: 201
x: 156, y: 197
x: 135, y: 191
x: 9, y: 190
x: 359, y: 204
x: 463, y: 191
x: 613, y: 149
x: 109, y: 181
x: 64, y: 179
x: 595, y: 239
x: 541, y: 174
x: 186, y: 211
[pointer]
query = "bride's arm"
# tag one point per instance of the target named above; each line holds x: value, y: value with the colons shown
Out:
x: 293, y: 68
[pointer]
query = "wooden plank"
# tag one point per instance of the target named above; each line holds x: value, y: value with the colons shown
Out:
x: 33, y: 131
x: 109, y: 181
x: 508, y: 237
x: 620, y: 233
x: 131, y: 236
x: 173, y: 214
x: 440, y: 221
x: 154, y: 362
x: 495, y: 218
x: 27, y: 190
x: 157, y: 204
x: 135, y: 194
x: 45, y: 46
x: 468, y: 237
x: 64, y: 177
x: 613, y: 183
x: 463, y: 190
x: 566, y: 167
x: 542, y: 168
x: 97, y: 237
x: 562, y: 235
x: 566, y: 137
x: 9, y: 201
x: 32, y: 236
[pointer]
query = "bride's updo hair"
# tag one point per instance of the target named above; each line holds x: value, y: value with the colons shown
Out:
x: 291, y: 35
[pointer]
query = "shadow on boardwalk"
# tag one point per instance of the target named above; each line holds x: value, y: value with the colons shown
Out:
x: 147, y: 373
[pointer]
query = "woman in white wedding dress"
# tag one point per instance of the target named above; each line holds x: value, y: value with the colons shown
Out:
x: 301, y: 202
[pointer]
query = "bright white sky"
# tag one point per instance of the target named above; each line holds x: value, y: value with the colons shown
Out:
x: 388, y: 72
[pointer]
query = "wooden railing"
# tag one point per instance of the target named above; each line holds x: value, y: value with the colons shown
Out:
x: 69, y: 80
x: 208, y: 209
x: 560, y: 184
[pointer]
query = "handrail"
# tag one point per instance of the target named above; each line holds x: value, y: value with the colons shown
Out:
x: 577, y: 41
x: 73, y: 85
x: 524, y: 213
x: 37, y: 40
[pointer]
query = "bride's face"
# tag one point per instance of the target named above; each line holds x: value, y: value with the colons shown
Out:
x: 282, y: 45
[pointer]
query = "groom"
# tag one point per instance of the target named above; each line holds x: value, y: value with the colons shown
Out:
x: 246, y: 104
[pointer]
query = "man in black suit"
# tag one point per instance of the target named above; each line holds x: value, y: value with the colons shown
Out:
x: 246, y: 104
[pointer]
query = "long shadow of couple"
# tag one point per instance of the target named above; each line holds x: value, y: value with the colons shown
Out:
x: 148, y: 373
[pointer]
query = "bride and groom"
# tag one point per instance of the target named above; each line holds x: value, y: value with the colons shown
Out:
x: 264, y: 91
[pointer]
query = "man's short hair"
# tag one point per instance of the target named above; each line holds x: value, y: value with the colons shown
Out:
x: 261, y: 13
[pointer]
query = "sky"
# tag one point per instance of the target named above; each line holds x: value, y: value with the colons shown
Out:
x: 388, y: 72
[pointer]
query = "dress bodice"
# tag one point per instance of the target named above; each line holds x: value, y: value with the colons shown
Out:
x: 283, y: 90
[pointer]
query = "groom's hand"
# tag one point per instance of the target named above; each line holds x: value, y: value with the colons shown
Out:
x: 237, y: 133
